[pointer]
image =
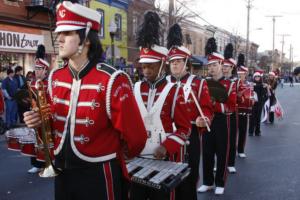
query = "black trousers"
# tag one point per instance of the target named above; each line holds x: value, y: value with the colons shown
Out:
x: 102, y: 181
x: 140, y: 192
x: 233, y: 135
x: 243, y: 124
x: 36, y: 163
x: 255, y: 119
x: 188, y: 188
x: 216, y: 143
x: 271, y: 117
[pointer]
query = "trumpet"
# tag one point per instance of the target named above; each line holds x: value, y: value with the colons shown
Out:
x: 46, y: 138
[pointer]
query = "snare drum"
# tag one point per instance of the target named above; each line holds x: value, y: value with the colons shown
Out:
x: 12, y: 142
x: 13, y: 136
x: 40, y: 155
x: 27, y: 145
x: 16, y: 135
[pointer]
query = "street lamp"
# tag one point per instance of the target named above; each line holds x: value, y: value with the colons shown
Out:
x: 112, y: 32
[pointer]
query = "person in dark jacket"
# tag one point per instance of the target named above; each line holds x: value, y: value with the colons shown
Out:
x: 272, y: 85
x: 9, y: 88
x: 23, y: 106
x: 261, y: 92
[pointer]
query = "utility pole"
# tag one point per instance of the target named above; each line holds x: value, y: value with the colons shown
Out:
x: 171, y: 12
x: 282, y: 47
x: 249, y: 6
x: 291, y: 57
x: 291, y: 52
x: 274, y: 20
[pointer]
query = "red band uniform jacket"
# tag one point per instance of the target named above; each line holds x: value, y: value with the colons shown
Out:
x: 200, y: 89
x: 98, y: 109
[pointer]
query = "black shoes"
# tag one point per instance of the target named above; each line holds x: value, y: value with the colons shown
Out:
x: 258, y: 134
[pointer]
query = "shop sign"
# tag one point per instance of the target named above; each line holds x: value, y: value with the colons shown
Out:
x: 21, y: 41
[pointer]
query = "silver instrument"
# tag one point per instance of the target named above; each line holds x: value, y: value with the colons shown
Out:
x: 157, y: 174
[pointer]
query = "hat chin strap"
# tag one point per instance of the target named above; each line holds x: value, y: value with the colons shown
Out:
x: 183, y: 69
x: 87, y: 30
x: 160, y: 70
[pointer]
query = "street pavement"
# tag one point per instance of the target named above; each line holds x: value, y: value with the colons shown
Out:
x: 270, y: 172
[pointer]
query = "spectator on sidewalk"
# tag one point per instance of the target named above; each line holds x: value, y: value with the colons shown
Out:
x: 291, y: 79
x: 2, y: 125
x: 21, y: 80
x: 9, y: 88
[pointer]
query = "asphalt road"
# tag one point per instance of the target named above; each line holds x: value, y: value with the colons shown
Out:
x: 270, y: 172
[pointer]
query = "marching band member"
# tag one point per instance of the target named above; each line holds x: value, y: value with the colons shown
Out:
x: 90, y: 104
x: 216, y: 143
x: 272, y: 85
x: 41, y: 68
x: 229, y: 65
x: 161, y: 105
x: 262, y: 94
x: 245, y: 100
x: 178, y: 57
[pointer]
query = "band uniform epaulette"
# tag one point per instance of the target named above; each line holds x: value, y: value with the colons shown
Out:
x: 106, y: 68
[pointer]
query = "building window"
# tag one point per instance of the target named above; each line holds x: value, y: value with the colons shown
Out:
x: 188, y: 39
x: 118, y: 21
x: 101, y: 31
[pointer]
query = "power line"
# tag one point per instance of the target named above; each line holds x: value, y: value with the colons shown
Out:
x: 194, y: 12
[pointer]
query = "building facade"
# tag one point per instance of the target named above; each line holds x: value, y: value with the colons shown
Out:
x: 115, y: 10
x: 24, y: 24
x: 194, y: 37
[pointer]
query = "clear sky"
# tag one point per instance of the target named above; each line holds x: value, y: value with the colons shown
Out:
x: 232, y: 16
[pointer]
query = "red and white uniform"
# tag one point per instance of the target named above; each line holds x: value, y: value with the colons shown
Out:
x: 217, y: 142
x: 163, y: 103
x: 199, y: 86
x: 245, y: 97
x: 95, y: 104
x: 230, y: 105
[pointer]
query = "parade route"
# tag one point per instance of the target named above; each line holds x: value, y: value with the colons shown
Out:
x: 270, y: 171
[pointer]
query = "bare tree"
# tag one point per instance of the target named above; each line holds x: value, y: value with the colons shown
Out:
x: 177, y: 10
x: 182, y: 10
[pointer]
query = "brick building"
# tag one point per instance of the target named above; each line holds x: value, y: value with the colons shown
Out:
x: 23, y: 25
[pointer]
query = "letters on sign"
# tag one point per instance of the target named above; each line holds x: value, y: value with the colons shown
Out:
x: 14, y: 40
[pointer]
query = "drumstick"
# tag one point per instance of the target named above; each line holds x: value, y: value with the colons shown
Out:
x: 200, y: 110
